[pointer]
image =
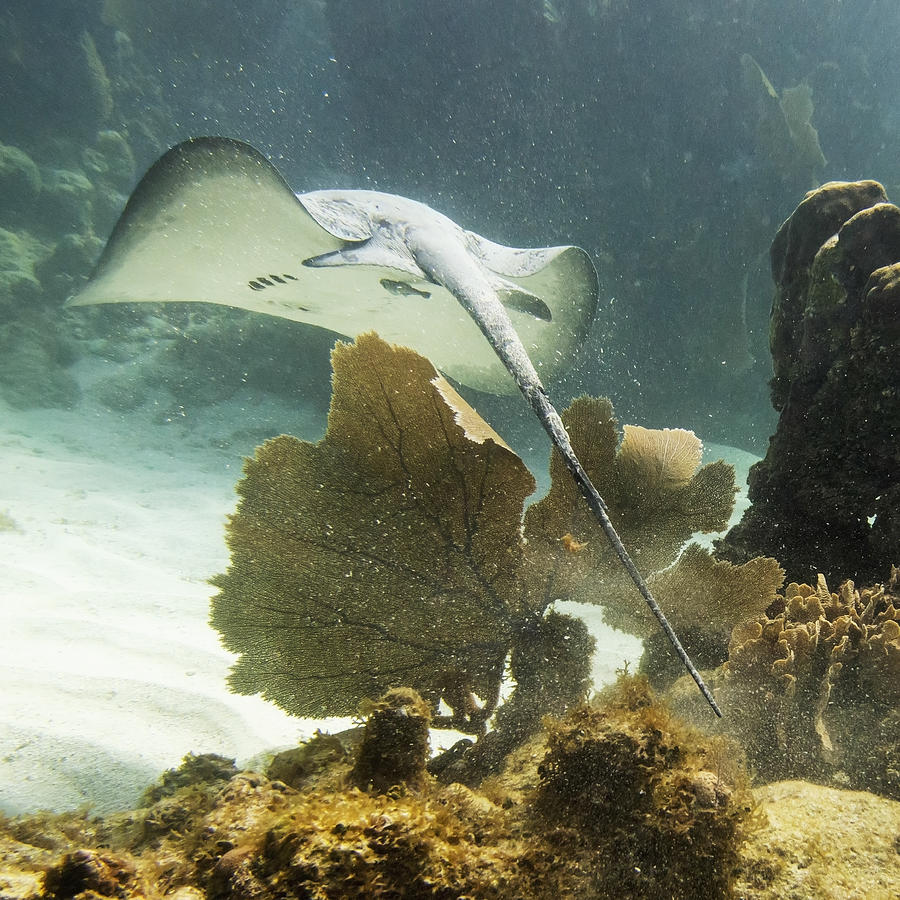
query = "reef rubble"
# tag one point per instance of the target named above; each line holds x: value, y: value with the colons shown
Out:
x: 618, y: 798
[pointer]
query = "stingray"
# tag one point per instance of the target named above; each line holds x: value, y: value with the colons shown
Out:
x: 214, y: 221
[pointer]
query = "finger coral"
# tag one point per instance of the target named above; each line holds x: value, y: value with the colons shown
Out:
x: 815, y: 689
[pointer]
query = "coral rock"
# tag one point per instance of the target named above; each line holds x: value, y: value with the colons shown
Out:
x: 395, y: 743
x: 20, y: 182
x: 617, y: 799
x: 854, y: 856
x: 664, y: 807
x: 88, y: 871
x: 825, y: 498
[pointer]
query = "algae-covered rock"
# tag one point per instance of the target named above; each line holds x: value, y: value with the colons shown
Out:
x: 650, y: 807
x: 66, y: 200
x: 71, y: 259
x: 617, y: 799
x: 90, y: 873
x: 19, y: 285
x: 353, y: 844
x: 33, y: 367
x: 203, y: 355
x: 97, y: 101
x: 123, y: 391
x: 298, y: 765
x: 205, y: 768
x: 395, y: 742
x: 118, y: 158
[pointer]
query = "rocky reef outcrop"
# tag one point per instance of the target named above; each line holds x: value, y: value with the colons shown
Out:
x: 827, y: 494
x: 78, y: 113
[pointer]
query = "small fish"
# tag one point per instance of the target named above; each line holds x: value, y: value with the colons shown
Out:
x: 573, y: 546
x: 550, y: 12
x: 402, y: 288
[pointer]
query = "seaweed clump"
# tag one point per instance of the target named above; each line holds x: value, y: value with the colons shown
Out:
x: 205, y: 768
x: 648, y: 805
x: 615, y: 799
x: 395, y: 744
x: 88, y: 872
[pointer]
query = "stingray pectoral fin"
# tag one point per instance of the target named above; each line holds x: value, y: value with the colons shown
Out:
x: 563, y: 278
x: 565, y: 284
x: 214, y: 221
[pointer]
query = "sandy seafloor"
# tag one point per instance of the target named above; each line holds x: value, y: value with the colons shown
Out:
x: 109, y: 671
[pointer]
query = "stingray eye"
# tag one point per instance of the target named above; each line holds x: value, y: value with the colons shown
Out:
x: 573, y: 546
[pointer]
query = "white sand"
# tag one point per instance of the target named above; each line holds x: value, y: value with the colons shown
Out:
x: 109, y: 670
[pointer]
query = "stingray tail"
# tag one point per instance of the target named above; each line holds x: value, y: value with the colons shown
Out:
x: 553, y: 425
x: 494, y: 322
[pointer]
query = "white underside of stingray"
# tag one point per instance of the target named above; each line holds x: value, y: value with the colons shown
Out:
x: 214, y: 221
